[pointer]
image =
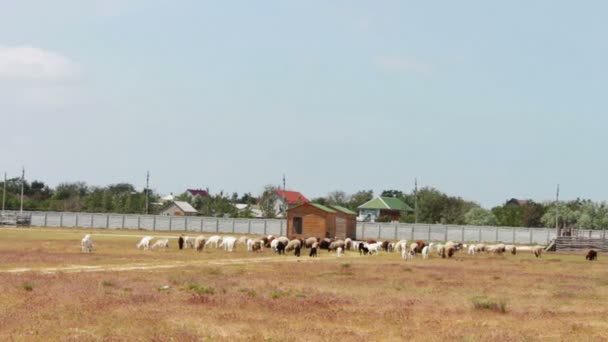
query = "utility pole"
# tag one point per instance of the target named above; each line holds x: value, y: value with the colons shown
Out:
x: 22, y: 185
x: 284, y: 198
x: 147, y: 188
x: 415, y: 200
x: 557, y: 232
x: 4, y: 194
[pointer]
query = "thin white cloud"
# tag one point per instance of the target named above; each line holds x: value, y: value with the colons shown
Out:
x: 32, y: 65
x: 402, y: 65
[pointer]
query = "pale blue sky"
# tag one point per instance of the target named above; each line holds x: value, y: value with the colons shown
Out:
x: 486, y: 100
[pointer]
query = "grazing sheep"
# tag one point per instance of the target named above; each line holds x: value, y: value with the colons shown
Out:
x: 497, y: 249
x: 335, y: 245
x: 419, y: 246
x: 228, y: 243
x: 86, y: 244
x: 180, y: 242
x: 242, y: 240
x: 591, y: 255
x: 363, y: 250
x: 374, y: 247
x: 512, y: 249
x: 411, y: 253
x: 297, y: 251
x: 324, y: 244
x: 144, y: 242
x: 164, y: 243
x: 471, y: 250
x: 480, y: 248
x: 284, y: 239
x: 310, y: 241
x: 425, y: 252
x: 447, y: 250
x: 348, y: 243
x: 384, y: 245
x: 214, y: 240
x: 268, y: 240
x: 274, y: 244
x: 291, y: 245
x: 257, y: 245
x: 249, y: 245
x: 313, y: 250
x: 188, y: 242
x: 280, y: 247
x: 200, y: 243
x: 339, y: 252
x: 400, y: 245
x: 439, y: 248
x: 537, y: 251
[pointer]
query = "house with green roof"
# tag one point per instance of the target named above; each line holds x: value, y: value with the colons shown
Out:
x: 392, y: 207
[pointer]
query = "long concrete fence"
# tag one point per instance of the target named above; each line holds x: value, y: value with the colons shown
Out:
x: 365, y: 230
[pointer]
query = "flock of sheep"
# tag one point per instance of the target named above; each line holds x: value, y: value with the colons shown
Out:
x: 282, y: 245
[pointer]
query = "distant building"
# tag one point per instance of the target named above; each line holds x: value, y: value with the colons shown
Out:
x: 518, y: 202
x: 193, y: 193
x: 285, y: 199
x: 253, y: 209
x: 392, y: 207
x: 178, y: 208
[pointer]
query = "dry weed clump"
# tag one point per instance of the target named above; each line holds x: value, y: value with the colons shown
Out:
x: 485, y: 303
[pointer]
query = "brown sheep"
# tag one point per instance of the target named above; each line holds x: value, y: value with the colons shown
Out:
x: 591, y: 255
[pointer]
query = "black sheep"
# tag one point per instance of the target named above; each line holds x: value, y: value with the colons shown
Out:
x: 313, y: 252
x: 297, y: 251
x: 363, y: 250
x: 180, y: 242
x: 281, y: 247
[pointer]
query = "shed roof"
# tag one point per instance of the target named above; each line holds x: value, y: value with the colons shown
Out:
x: 389, y: 203
x: 322, y: 207
x: 344, y: 210
x: 185, y: 207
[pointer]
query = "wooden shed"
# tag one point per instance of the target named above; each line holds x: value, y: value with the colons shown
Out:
x: 316, y: 220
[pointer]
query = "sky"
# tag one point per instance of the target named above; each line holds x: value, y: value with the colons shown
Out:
x: 486, y: 100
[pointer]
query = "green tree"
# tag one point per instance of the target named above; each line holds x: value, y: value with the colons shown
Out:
x: 480, y: 217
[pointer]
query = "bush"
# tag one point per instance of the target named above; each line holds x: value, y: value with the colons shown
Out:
x: 484, y: 303
x: 28, y: 286
x: 383, y: 218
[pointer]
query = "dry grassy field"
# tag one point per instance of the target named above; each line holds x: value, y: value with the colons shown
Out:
x: 50, y: 291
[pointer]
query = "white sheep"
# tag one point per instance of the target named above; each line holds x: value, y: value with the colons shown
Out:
x: 249, y: 245
x: 214, y: 240
x: 86, y: 244
x: 401, y: 245
x: 189, y: 242
x: 425, y: 252
x: 291, y: 245
x: 164, y: 243
x: 228, y: 243
x: 145, y: 242
x: 472, y: 249
x: 374, y: 247
x: 274, y: 244
x: 242, y: 241
x: 537, y: 251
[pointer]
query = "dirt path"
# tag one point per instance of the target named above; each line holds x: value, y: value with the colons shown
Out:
x: 140, y: 267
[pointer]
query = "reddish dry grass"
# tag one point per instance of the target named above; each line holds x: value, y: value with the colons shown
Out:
x: 379, y: 298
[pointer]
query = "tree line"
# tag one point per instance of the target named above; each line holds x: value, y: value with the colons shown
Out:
x: 433, y: 206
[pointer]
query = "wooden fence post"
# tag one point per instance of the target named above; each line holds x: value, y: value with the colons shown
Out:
x: 61, y: 220
x: 217, y: 225
x: 45, y: 219
x: 249, y: 226
x: 233, y: 225
x: 265, y: 227
x: 138, y: 221
x: 202, y: 224
x: 107, y: 221
x: 123, y: 222
x: 76, y: 223
x: 154, y: 223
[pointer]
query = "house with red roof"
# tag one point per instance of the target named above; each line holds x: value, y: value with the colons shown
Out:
x: 193, y: 193
x: 285, y: 199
